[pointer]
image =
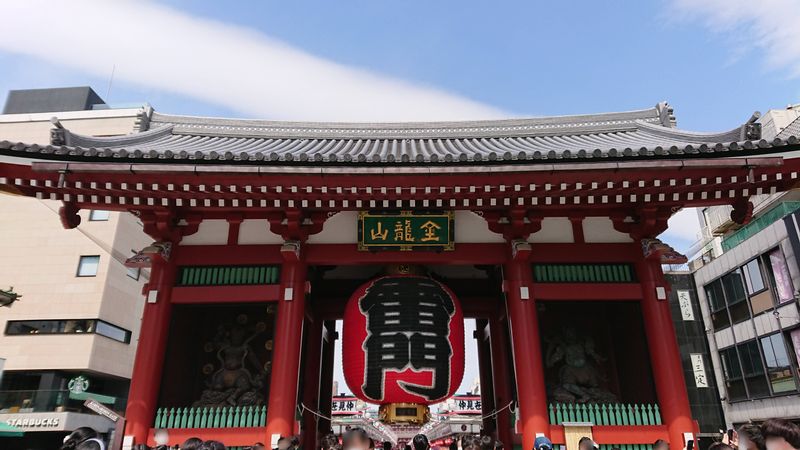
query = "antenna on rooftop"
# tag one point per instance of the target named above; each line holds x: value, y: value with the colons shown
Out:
x: 110, y: 81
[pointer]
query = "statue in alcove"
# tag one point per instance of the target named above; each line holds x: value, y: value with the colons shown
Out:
x: 240, y: 378
x: 579, y: 379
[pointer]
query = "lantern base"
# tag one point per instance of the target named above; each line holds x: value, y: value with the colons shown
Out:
x: 413, y: 413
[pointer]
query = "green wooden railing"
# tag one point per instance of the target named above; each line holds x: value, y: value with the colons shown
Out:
x: 605, y: 414
x: 230, y: 417
x: 583, y: 273
x: 227, y: 275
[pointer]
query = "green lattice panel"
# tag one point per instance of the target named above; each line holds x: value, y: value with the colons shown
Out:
x: 227, y: 275
x: 584, y: 273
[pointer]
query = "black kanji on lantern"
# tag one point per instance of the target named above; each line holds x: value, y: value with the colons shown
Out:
x: 408, y: 325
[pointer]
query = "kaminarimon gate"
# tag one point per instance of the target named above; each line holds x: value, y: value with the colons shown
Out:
x: 544, y: 229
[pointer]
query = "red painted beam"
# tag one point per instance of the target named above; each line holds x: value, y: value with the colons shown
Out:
x: 336, y: 254
x: 587, y: 291
x: 228, y: 436
x: 225, y: 294
x: 585, y: 253
x: 200, y: 255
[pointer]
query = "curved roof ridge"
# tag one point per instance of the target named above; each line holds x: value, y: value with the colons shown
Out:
x: 733, y: 135
x: 572, y: 124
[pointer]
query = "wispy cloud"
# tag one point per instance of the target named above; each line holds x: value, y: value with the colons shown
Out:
x: 232, y: 66
x: 767, y: 26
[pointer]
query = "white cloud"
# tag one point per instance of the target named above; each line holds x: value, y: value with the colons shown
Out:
x: 232, y: 66
x: 770, y: 26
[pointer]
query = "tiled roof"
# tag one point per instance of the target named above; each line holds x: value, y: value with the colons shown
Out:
x: 641, y: 134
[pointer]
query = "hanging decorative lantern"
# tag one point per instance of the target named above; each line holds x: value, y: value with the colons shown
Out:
x: 403, y: 345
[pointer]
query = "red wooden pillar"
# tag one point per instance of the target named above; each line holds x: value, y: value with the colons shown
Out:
x: 664, y: 354
x: 326, y: 383
x: 531, y: 394
x: 311, y: 382
x: 503, y: 394
x: 150, y: 350
x: 286, y: 356
x: 485, y: 372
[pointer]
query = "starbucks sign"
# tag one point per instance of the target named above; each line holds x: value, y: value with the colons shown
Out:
x: 78, y: 385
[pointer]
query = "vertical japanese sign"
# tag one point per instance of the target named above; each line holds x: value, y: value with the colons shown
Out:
x: 405, y: 230
x: 699, y: 369
x: 685, y: 303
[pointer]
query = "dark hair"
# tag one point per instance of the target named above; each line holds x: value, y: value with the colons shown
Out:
x: 212, y: 445
x: 420, y: 442
x: 79, y: 436
x: 487, y: 442
x: 584, y: 439
x: 356, y: 433
x: 781, y: 428
x: 387, y: 445
x: 752, y: 433
x: 658, y: 443
x: 294, y: 441
x: 329, y: 442
x: 192, y: 443
x: 720, y: 446
x: 371, y: 443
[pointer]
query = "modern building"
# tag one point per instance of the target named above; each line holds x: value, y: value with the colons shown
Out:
x: 544, y: 229
x: 748, y: 281
x: 72, y: 334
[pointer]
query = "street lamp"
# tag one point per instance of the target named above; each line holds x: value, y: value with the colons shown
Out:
x: 8, y: 297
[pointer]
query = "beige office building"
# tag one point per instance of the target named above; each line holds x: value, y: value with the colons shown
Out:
x: 73, y: 332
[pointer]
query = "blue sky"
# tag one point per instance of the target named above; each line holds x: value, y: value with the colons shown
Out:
x: 715, y: 61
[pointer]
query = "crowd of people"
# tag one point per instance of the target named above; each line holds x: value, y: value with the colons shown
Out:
x: 774, y: 434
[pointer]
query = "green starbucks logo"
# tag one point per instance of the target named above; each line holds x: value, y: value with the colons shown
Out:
x: 78, y: 385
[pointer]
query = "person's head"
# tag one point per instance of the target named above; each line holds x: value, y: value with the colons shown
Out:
x: 212, y: 445
x: 371, y: 444
x: 258, y: 446
x: 780, y: 434
x: 720, y: 446
x: 470, y: 442
x: 387, y: 445
x: 660, y: 444
x: 329, y: 442
x: 542, y: 443
x: 420, y: 442
x: 284, y: 443
x: 194, y: 443
x: 355, y: 439
x: 80, y: 440
x: 750, y: 437
x: 486, y: 442
x: 407, y: 447
x: 586, y: 443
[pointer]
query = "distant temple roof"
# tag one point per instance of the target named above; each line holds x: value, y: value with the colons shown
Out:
x: 634, y: 135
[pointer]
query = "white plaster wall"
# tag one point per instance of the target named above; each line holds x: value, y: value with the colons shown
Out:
x: 601, y: 230
x: 472, y: 228
x: 256, y: 231
x: 341, y: 228
x: 210, y: 232
x: 554, y: 230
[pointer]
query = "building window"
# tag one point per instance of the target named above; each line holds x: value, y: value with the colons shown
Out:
x: 87, y: 266
x: 734, y: 382
x: 749, y: 290
x: 134, y: 272
x: 99, y: 215
x: 779, y: 364
x: 68, y: 326
x: 759, y: 368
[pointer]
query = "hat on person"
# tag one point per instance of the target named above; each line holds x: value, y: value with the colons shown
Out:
x: 541, y: 443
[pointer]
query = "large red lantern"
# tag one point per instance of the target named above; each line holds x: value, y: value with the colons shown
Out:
x: 403, y: 345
